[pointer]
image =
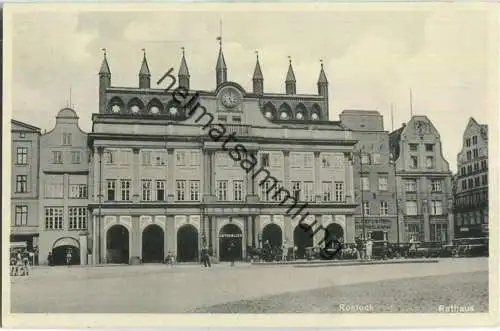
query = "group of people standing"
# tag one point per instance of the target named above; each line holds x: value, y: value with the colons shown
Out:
x: 364, y: 248
x: 20, y: 262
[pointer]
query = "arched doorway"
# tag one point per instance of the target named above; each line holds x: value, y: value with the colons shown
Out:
x: 230, y: 243
x: 117, y: 244
x: 187, y: 244
x: 302, y: 238
x: 153, y: 244
x: 333, y: 233
x: 65, y: 248
x: 272, y: 236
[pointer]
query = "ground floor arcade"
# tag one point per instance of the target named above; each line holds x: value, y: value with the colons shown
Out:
x: 150, y: 237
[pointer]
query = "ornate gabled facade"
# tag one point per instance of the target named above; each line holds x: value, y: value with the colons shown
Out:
x: 423, y: 181
x: 471, y: 195
x: 24, y: 184
x: 175, y: 170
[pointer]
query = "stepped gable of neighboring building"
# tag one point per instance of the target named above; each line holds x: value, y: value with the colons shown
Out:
x: 149, y: 101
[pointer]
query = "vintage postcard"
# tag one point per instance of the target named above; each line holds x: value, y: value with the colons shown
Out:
x: 258, y: 164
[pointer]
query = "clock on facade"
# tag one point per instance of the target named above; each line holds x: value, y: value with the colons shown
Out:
x: 421, y: 127
x: 230, y: 98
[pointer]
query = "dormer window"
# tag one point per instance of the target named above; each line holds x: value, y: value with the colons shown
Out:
x: 135, y: 109
x: 269, y: 115
x: 284, y: 115
x: 115, y: 108
x: 315, y: 116
x: 300, y: 116
x: 154, y: 110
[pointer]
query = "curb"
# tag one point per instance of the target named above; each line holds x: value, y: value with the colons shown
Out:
x: 342, y: 263
x: 366, y: 263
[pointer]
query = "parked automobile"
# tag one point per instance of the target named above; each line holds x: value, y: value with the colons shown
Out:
x: 382, y: 249
x: 448, y: 250
x: 429, y: 249
x: 469, y: 247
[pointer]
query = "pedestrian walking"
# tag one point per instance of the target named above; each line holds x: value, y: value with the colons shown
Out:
x: 26, y: 262
x: 359, y: 248
x: 68, y: 256
x: 369, y: 248
x: 284, y: 252
x: 230, y: 251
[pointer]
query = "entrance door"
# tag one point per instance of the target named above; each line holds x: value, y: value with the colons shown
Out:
x: 117, y: 244
x: 377, y: 235
x: 272, y: 236
x: 60, y: 254
x: 230, y: 243
x: 153, y: 244
x: 187, y: 244
x: 302, y: 238
x: 333, y: 234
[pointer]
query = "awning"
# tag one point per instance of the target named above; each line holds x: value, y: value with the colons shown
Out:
x: 20, y: 244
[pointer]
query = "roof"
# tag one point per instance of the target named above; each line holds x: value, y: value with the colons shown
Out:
x: 144, y: 67
x: 290, y: 75
x: 25, y: 125
x: 67, y: 113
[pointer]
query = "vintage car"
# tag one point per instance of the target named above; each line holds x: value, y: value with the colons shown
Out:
x: 469, y: 247
x: 429, y: 249
x: 448, y: 250
x: 382, y: 249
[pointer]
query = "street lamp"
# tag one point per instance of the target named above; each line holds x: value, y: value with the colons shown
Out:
x: 393, y: 161
x: 360, y: 155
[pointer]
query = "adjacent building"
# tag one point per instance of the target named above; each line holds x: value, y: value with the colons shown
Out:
x: 471, y: 196
x: 173, y: 171
x: 63, y: 212
x: 374, y: 180
x: 424, y: 182
x: 24, y: 184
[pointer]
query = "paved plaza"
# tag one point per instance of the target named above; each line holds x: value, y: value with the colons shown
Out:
x: 190, y: 288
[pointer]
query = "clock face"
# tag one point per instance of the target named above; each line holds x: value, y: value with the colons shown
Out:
x: 230, y: 98
x: 421, y: 127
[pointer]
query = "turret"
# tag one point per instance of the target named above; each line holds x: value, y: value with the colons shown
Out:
x: 258, y: 78
x: 104, y: 82
x: 322, y: 82
x: 183, y: 75
x: 144, y: 75
x: 220, y: 69
x: 290, y: 83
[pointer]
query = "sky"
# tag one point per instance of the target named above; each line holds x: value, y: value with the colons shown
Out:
x: 372, y: 58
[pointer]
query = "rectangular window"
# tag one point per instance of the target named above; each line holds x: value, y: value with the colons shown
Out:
x: 467, y: 142
x: 264, y: 160
x: 429, y: 162
x: 463, y: 171
x: 21, y: 215
x: 365, y: 184
x: 236, y: 119
x: 366, y: 207
x: 464, y: 184
x: 376, y: 158
x: 180, y: 157
x: 476, y: 167
x: 57, y: 157
x: 309, y: 192
x: 124, y: 157
x: 53, y: 218
x: 415, y: 232
x: 194, y: 190
x: 327, y: 191
x: 296, y: 190
x: 22, y: 134
x: 339, y: 191
x: 308, y: 160
x: 383, y: 183
x: 160, y: 158
x: 75, y: 157
x: 436, y: 185
x: 429, y: 147
x: 160, y: 190
x: 411, y: 208
x: 146, y: 158
x: 436, y: 207
x: 266, y: 191
x: 78, y: 191
x: 22, y: 155
x: 484, y: 179
x: 474, y: 140
x: 469, y: 169
x: 125, y: 189
x: 109, y: 157
x: 413, y: 162
x: 365, y: 159
x: 111, y: 190
x: 411, y: 185
x: 238, y: 190
x: 21, y: 184
x: 477, y: 181
x: 180, y: 187
x: 475, y: 153
x: 278, y: 195
x: 384, y: 208
x: 66, y: 137
x: 325, y: 161
x: 470, y: 183
x: 147, y: 188
x: 221, y: 190
x: 276, y: 160
x: 77, y: 218
x: 469, y: 155
x: 413, y: 147
x: 439, y: 232
x: 195, y: 158
x: 484, y: 164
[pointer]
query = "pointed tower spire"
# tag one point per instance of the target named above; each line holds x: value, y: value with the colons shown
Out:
x: 322, y: 82
x: 183, y: 74
x: 104, y: 81
x: 220, y: 69
x: 258, y: 78
x: 290, y: 83
x: 144, y: 75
